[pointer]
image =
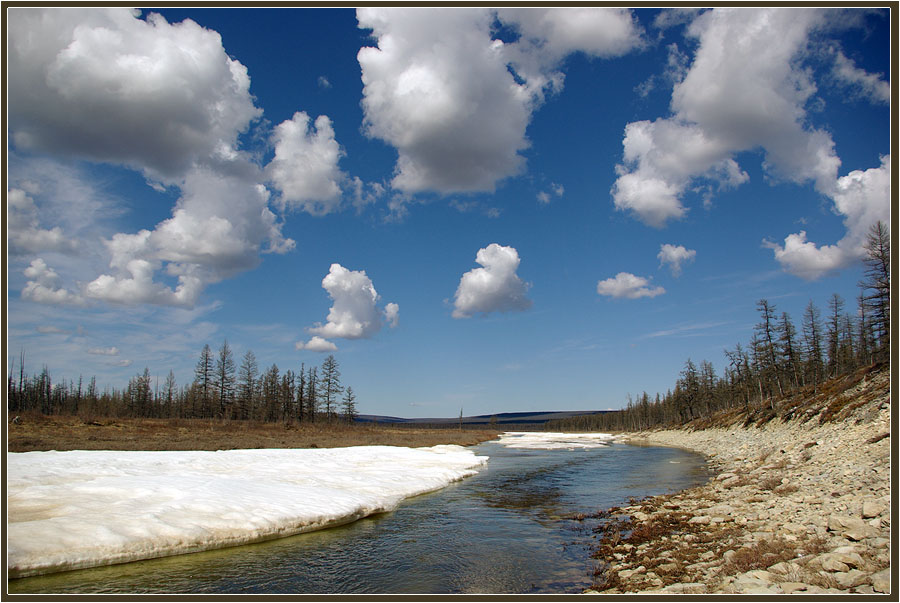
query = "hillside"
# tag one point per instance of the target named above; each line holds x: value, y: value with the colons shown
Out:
x: 801, y: 502
x: 503, y: 418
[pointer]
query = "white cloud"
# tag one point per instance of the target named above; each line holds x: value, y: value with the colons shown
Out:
x: 744, y: 90
x: 316, y: 344
x: 48, y: 329
x: 110, y: 351
x: 165, y: 99
x: 42, y: 286
x: 103, y: 84
x: 674, y: 256
x: 544, y: 198
x: 629, y: 286
x: 354, y: 313
x: 863, y: 198
x: 305, y: 167
x: 439, y: 89
x: 867, y: 85
x: 596, y: 31
x: 217, y: 229
x: 323, y: 82
x: 24, y: 234
x: 493, y: 288
x: 392, y: 314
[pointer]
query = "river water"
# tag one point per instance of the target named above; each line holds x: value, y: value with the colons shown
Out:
x: 508, y: 529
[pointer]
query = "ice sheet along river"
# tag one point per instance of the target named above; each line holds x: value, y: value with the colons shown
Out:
x: 508, y: 529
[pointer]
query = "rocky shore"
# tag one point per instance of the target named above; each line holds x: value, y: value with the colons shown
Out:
x: 801, y: 504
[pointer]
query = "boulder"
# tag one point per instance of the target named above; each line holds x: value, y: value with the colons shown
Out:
x: 851, y: 528
x: 881, y: 581
x: 871, y: 509
x: 851, y: 578
x: 686, y: 588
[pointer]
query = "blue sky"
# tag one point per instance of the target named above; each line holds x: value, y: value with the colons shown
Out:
x: 471, y: 209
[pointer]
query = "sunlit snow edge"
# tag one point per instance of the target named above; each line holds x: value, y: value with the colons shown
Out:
x: 79, y: 509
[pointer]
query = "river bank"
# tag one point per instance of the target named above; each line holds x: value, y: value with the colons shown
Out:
x: 801, y: 503
x: 33, y: 432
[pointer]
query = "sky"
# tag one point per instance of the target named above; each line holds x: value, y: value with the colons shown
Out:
x: 474, y: 210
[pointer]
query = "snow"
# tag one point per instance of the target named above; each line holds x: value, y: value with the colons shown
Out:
x: 77, y: 509
x: 553, y: 441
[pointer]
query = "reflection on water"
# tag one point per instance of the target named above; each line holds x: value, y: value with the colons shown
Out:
x: 501, y: 531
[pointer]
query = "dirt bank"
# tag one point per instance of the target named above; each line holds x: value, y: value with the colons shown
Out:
x: 38, y: 432
x: 801, y: 504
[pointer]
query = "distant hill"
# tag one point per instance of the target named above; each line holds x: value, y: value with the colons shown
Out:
x: 502, y: 418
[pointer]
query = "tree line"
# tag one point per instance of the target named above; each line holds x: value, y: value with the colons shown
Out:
x: 778, y: 360
x: 219, y: 390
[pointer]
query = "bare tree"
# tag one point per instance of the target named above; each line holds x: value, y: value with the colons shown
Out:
x: 331, y: 385
x: 349, y: 405
x: 223, y: 379
x: 877, y: 283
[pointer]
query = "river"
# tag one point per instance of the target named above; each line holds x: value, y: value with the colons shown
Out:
x: 508, y: 529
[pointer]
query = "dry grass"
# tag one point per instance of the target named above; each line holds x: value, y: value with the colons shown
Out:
x: 766, y: 553
x: 38, y: 432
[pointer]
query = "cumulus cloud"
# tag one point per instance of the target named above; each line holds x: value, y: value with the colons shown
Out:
x: 217, y: 229
x: 24, y: 234
x: 441, y: 90
x: 316, y: 344
x: 744, y: 90
x: 42, y: 286
x: 167, y: 100
x: 628, y: 286
x: 862, y: 198
x: 106, y: 85
x: 354, y: 313
x: 495, y: 287
x: 392, y: 314
x: 305, y: 166
x: 674, y: 256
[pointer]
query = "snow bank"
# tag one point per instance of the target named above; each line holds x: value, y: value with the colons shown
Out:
x: 551, y: 440
x: 69, y: 510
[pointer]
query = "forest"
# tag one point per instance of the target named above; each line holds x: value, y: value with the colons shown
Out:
x: 779, y: 359
x: 218, y: 391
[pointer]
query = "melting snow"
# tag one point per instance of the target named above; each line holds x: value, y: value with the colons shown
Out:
x: 77, y: 509
x: 551, y: 440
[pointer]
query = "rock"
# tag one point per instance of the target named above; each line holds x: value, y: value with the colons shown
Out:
x: 833, y: 565
x: 626, y: 574
x: 686, y: 588
x: 784, y: 568
x: 851, y: 527
x: 861, y: 533
x: 667, y: 567
x: 700, y: 519
x: 881, y: 581
x: 839, y: 561
x: 872, y: 509
x: 851, y: 578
